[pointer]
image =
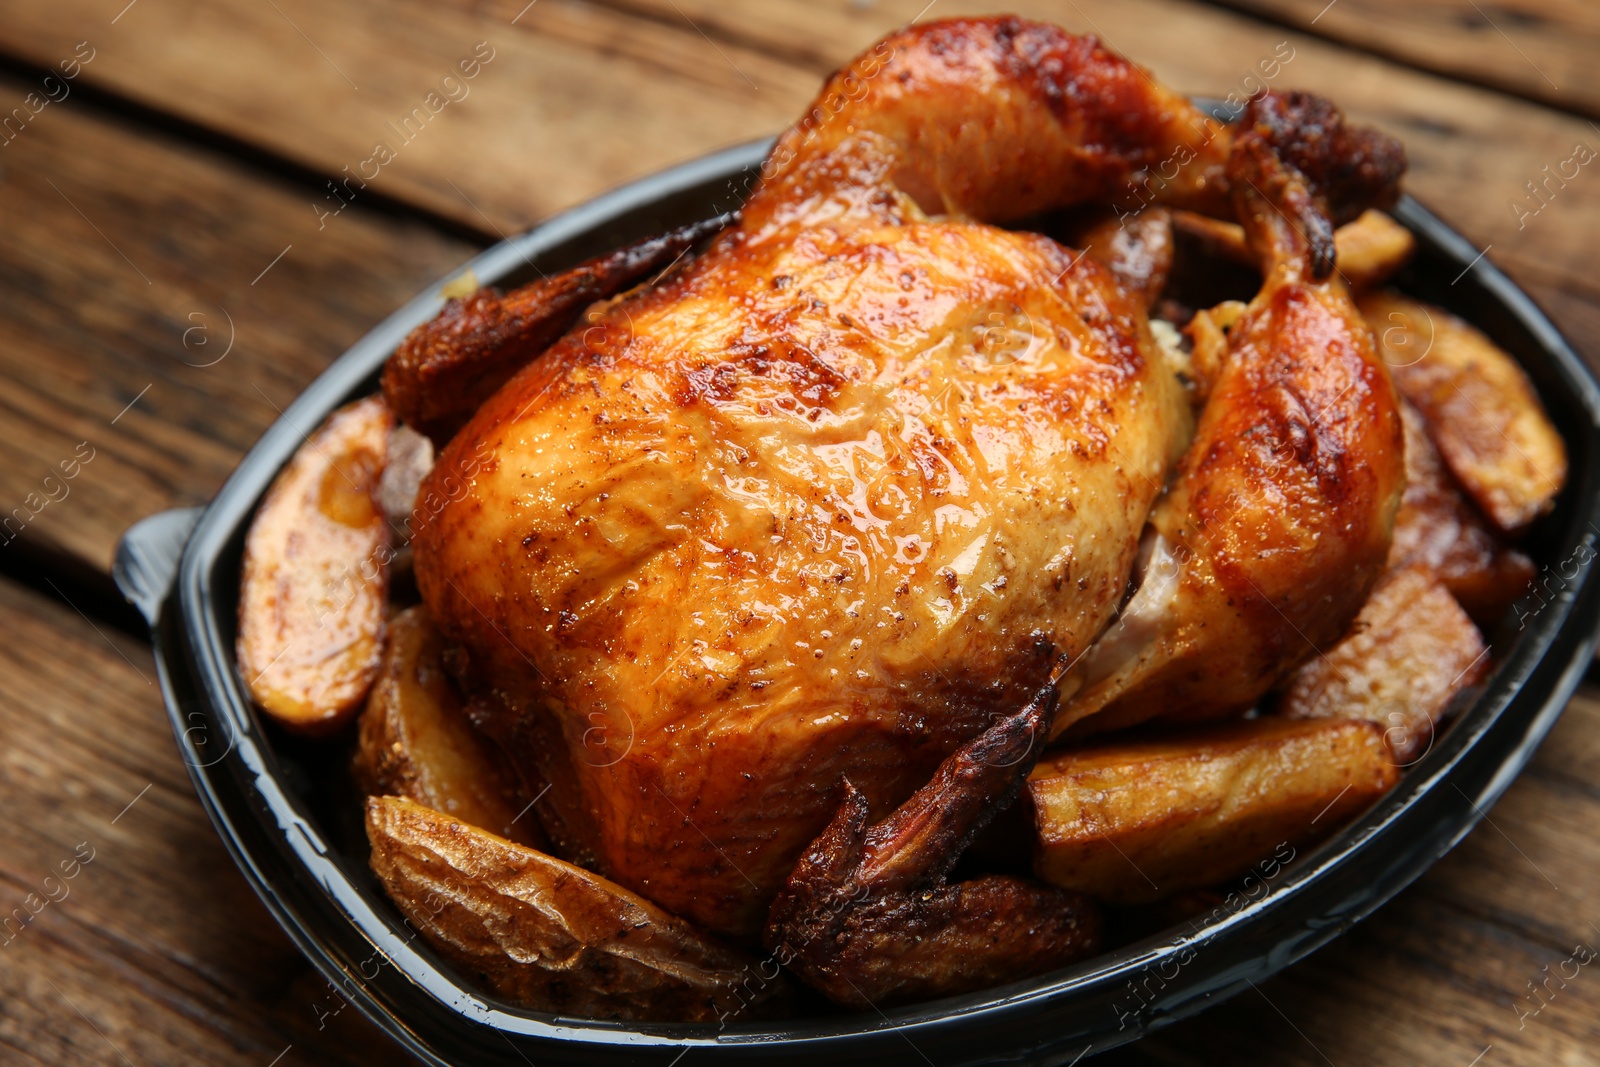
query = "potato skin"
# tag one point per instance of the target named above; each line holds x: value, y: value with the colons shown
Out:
x: 1411, y: 649
x: 554, y: 937
x: 1438, y: 529
x: 416, y: 740
x: 312, y: 596
x: 1479, y: 407
x: 1135, y: 821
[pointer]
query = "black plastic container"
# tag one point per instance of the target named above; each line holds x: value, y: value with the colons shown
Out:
x: 303, y: 853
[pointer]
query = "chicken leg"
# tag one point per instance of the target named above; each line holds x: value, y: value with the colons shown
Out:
x: 1280, y: 519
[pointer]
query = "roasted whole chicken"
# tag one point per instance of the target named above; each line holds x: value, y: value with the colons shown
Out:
x: 766, y: 569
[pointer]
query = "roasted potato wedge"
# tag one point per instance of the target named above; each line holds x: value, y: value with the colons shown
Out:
x: 1367, y: 251
x: 1437, y: 528
x: 416, y: 741
x: 1477, y: 404
x: 555, y: 937
x: 316, y: 562
x: 1410, y: 650
x: 1135, y: 821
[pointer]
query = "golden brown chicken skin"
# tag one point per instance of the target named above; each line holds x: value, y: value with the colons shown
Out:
x: 821, y: 504
x: 791, y: 524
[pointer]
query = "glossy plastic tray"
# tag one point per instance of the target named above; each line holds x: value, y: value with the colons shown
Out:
x: 277, y: 803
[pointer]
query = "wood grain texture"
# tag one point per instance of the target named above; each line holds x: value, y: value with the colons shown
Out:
x: 581, y: 97
x: 542, y: 128
x: 125, y: 251
x: 119, y: 233
x: 575, y: 99
x: 161, y: 946
x: 1543, y: 49
x: 129, y: 262
x: 157, y: 950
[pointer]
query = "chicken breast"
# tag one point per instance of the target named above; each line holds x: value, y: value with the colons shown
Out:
x: 797, y: 515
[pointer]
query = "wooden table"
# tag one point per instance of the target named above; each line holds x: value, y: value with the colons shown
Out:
x: 177, y: 266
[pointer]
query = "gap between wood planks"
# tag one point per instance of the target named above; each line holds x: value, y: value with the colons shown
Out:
x: 102, y: 594
x: 95, y: 595
x: 157, y: 940
x: 45, y: 567
x: 142, y: 117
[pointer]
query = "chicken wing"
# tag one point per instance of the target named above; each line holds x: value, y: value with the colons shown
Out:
x: 455, y: 361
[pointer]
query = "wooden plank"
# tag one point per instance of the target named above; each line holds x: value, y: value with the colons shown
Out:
x: 571, y: 100
x: 542, y: 129
x: 1543, y: 49
x: 161, y: 946
x: 162, y: 242
x: 1447, y: 126
x: 539, y: 130
x: 130, y: 263
x: 88, y: 332
x: 154, y: 950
